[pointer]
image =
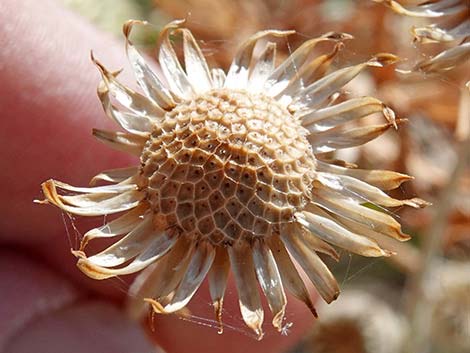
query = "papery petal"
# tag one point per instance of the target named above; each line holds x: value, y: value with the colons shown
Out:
x: 347, y: 208
x: 118, y: 226
x: 289, y: 275
x: 237, y: 77
x: 159, y: 280
x: 383, y: 179
x: 115, y: 175
x: 111, y: 204
x: 125, y: 142
x: 363, y: 192
x: 316, y: 270
x: 341, y: 137
x: 316, y: 93
x: 218, y: 276
x: 170, y: 65
x: 262, y: 68
x: 130, y: 99
x: 288, y: 70
x: 199, y: 265
x: 146, y: 77
x: 195, y: 64
x: 270, y: 281
x: 323, y: 226
x: 352, y: 109
x: 245, y: 279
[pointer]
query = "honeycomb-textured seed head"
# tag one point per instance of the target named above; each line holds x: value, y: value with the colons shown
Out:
x: 228, y: 165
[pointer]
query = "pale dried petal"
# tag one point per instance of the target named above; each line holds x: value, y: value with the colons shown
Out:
x: 245, y: 279
x: 136, y: 241
x: 129, y: 99
x: 114, y: 204
x: 125, y: 142
x: 363, y: 192
x: 218, y: 276
x: 289, y: 69
x: 289, y: 275
x: 326, y: 228
x: 196, y: 271
x: 352, y: 109
x: 270, y: 281
x: 262, y: 68
x: 237, y: 77
x: 170, y: 65
x: 316, y: 93
x: 133, y: 123
x: 446, y: 60
x: 159, y: 279
x: 155, y: 250
x: 308, y: 73
x: 341, y: 137
x: 118, y: 226
x: 115, y: 175
x: 316, y: 270
x: 218, y: 78
x: 195, y: 64
x: 383, y: 179
x: 347, y: 208
x: 146, y: 77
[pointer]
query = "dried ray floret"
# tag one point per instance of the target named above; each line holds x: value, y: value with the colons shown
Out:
x: 450, y: 22
x: 231, y: 176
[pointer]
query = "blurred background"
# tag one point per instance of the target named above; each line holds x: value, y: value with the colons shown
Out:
x: 418, y: 300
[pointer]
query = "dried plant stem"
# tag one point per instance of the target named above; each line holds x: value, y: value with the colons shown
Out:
x: 419, y: 299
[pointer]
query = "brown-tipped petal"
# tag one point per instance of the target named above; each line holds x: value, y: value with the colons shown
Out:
x: 247, y: 286
x: 262, y: 68
x: 115, y: 175
x: 340, y: 137
x: 289, y: 69
x: 218, y: 276
x: 196, y: 271
x: 347, y: 208
x: 289, y: 275
x: 170, y: 65
x: 314, y: 267
x: 270, y: 281
x: 125, y: 142
x: 132, y: 123
x: 155, y: 250
x: 118, y: 226
x: 238, y: 73
x: 107, y: 189
x: 363, y: 192
x: 195, y: 64
x: 327, y: 118
x: 147, y: 79
x: 130, y: 99
x: 383, y: 179
x: 160, y: 279
x: 323, y: 226
x: 446, y: 60
x: 114, y: 204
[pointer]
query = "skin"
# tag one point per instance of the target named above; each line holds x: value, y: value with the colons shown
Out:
x: 49, y: 106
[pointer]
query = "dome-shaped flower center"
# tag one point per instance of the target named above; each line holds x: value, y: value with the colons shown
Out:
x: 226, y: 165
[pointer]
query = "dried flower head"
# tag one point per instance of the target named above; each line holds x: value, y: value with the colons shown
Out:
x: 359, y: 323
x: 232, y: 175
